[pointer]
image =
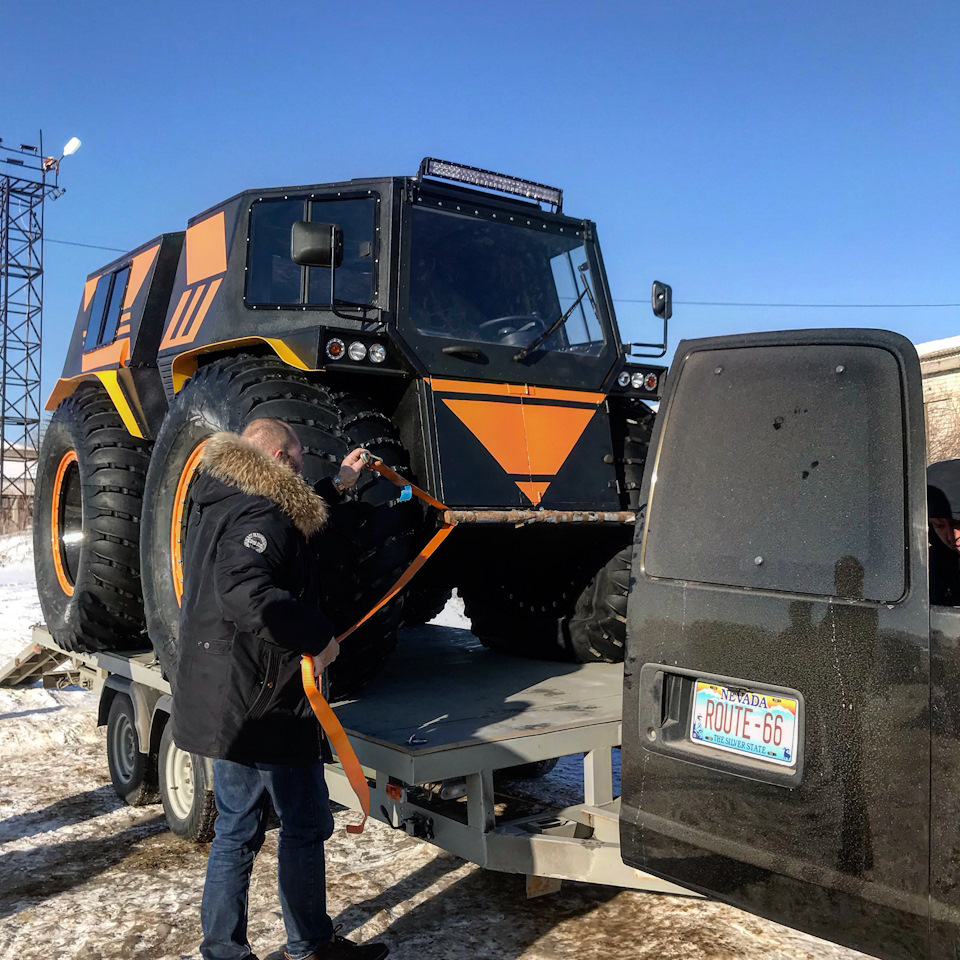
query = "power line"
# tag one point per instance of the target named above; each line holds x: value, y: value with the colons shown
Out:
x: 91, y: 246
x: 679, y: 303
x: 832, y: 306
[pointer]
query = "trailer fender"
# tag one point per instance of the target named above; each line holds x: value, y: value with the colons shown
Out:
x: 144, y: 700
x: 161, y: 716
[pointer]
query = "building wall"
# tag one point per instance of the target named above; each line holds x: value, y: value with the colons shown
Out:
x: 941, y: 404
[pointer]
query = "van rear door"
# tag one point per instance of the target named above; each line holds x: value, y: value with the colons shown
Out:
x: 776, y: 750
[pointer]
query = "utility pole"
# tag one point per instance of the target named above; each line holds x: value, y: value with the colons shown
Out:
x: 26, y: 180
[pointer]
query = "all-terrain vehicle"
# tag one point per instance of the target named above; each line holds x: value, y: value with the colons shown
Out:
x: 466, y: 338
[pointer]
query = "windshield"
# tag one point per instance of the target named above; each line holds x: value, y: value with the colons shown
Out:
x: 493, y: 282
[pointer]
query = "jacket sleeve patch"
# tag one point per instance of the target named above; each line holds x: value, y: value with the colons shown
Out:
x: 255, y: 541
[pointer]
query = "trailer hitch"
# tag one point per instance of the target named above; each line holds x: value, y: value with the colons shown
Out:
x: 417, y: 825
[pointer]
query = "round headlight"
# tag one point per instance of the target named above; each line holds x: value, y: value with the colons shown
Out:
x: 636, y: 381
x: 624, y: 379
x: 335, y: 348
x: 651, y: 381
x: 378, y: 352
x: 356, y: 350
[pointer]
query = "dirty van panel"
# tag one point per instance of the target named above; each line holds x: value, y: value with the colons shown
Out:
x: 776, y: 741
x: 944, y: 780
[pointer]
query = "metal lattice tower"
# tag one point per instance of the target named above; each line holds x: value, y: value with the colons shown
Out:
x: 22, y: 194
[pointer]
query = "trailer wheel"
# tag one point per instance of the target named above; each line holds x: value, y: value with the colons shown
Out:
x: 367, y: 542
x: 186, y: 791
x: 576, y: 615
x: 134, y: 774
x: 86, y: 526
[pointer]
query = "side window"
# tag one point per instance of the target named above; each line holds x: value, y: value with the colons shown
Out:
x: 781, y: 468
x: 354, y: 277
x: 273, y: 277
x: 111, y: 316
x: 105, y: 311
x: 95, y: 322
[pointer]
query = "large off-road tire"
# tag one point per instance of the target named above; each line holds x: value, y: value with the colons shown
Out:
x: 186, y: 790
x: 86, y: 526
x: 568, y: 606
x: 134, y: 774
x: 365, y: 545
x: 422, y: 604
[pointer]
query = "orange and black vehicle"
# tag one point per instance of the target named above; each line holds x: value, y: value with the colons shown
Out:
x: 456, y: 323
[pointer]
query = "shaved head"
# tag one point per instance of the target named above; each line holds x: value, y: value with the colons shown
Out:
x: 276, y: 438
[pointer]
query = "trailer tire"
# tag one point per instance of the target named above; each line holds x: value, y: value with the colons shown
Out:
x: 133, y: 774
x: 89, y: 493
x: 366, y: 543
x: 533, y: 770
x: 186, y: 791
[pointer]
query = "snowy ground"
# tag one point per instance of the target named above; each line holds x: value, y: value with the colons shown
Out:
x: 83, y: 877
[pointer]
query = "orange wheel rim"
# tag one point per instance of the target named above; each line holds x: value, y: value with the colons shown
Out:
x: 70, y: 457
x: 176, y: 520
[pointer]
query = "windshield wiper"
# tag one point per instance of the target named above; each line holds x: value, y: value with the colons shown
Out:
x: 559, y: 322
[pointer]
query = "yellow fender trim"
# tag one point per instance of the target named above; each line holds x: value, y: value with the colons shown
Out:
x: 185, y: 364
x: 111, y: 383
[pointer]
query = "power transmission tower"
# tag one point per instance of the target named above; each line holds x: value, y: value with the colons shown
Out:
x: 23, y: 191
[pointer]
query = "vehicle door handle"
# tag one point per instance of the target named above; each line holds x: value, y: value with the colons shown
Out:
x: 462, y: 350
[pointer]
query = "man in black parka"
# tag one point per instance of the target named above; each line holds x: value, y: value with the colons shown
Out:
x: 250, y: 611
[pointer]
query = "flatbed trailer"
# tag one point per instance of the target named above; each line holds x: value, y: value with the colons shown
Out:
x: 430, y: 733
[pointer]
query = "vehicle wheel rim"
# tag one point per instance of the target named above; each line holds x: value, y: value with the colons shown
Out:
x: 179, y: 517
x: 66, y: 521
x: 179, y: 780
x: 123, y: 746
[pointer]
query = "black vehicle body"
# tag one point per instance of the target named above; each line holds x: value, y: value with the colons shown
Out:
x: 466, y: 337
x: 784, y: 557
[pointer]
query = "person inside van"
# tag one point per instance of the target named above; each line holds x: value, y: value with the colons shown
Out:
x: 943, y: 512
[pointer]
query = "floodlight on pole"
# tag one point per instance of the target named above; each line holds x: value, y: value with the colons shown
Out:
x: 69, y: 149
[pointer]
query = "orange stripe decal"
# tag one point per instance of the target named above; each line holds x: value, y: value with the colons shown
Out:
x: 89, y: 288
x: 515, y: 390
x: 113, y: 354
x: 139, y: 268
x: 190, y: 334
x: 206, y: 249
x: 170, y: 333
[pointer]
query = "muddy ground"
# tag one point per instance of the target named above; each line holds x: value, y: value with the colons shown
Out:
x: 83, y: 877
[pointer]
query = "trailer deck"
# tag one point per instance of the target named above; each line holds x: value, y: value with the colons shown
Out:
x: 431, y: 730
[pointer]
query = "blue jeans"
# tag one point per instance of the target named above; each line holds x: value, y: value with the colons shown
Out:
x: 302, y: 803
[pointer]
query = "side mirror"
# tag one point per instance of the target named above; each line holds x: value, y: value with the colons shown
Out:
x: 316, y: 244
x: 662, y: 300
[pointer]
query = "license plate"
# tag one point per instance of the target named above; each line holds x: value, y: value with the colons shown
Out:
x: 749, y: 723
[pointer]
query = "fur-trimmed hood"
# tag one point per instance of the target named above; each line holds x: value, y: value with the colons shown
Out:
x: 231, y: 459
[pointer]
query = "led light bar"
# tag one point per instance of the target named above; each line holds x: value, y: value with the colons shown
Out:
x: 460, y: 172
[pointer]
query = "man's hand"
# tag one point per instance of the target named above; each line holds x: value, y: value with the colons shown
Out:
x: 352, y: 467
x: 325, y: 657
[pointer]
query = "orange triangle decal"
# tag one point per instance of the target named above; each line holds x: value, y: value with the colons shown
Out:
x: 532, y: 491
x: 552, y: 432
x: 499, y: 427
x: 531, y: 439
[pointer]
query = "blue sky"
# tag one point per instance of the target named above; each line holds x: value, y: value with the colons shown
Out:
x: 758, y: 151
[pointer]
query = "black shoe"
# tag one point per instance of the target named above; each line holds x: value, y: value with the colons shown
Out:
x: 340, y: 948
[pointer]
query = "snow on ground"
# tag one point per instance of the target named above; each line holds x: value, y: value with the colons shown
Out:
x: 83, y: 877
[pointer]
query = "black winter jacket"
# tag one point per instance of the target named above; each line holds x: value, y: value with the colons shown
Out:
x: 249, y: 610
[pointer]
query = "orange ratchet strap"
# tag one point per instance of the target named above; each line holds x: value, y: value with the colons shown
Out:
x: 323, y: 711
